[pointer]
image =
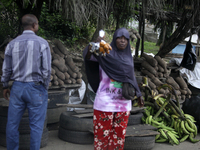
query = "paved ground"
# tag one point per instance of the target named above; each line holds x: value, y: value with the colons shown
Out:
x: 55, y: 143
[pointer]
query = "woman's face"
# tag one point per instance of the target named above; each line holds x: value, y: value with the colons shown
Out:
x: 121, y: 43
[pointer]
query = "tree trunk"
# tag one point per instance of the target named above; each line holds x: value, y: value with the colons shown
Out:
x: 179, y: 35
x: 36, y: 10
x: 143, y: 30
x: 101, y: 22
x: 138, y: 39
x: 143, y: 26
x: 164, y: 33
x: 117, y: 24
x: 100, y: 25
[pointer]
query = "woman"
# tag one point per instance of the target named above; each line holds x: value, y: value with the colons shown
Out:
x: 112, y: 79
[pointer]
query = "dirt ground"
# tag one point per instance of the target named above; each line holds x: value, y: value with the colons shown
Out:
x: 55, y: 143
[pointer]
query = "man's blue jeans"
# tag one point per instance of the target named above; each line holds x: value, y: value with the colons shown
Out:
x: 34, y: 97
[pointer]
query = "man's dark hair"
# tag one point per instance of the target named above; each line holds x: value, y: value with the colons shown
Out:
x: 28, y: 20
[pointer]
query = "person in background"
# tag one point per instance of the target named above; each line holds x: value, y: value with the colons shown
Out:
x: 28, y: 63
x: 113, y: 80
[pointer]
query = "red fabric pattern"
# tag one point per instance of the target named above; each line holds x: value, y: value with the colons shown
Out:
x: 109, y: 130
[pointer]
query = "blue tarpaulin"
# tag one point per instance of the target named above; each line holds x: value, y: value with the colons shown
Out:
x: 179, y: 49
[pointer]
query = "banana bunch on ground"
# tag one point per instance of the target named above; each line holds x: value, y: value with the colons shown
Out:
x: 167, y: 133
x: 185, y: 127
x: 166, y: 115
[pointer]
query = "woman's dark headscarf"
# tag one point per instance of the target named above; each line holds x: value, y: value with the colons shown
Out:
x: 118, y: 65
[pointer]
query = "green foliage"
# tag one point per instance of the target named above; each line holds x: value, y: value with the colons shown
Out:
x: 160, y: 27
x: 150, y: 47
x: 123, y: 12
x: 108, y: 36
x: 8, y: 20
x: 52, y: 25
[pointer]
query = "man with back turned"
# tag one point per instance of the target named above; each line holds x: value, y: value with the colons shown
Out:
x: 28, y: 63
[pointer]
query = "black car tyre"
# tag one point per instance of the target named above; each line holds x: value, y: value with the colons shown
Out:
x: 55, y: 97
x: 139, y: 143
x: 69, y: 122
x: 24, y: 140
x: 76, y: 137
x: 4, y: 111
x: 135, y: 118
x: 23, y: 126
x: 53, y: 114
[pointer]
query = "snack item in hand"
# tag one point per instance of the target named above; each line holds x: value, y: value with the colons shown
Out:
x: 104, y: 48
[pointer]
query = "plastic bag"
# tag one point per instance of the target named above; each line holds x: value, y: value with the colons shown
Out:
x: 76, y: 96
x: 192, y: 106
x: 189, y: 57
x: 90, y: 95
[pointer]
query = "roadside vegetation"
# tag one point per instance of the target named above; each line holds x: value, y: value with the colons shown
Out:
x: 75, y: 24
x: 150, y: 47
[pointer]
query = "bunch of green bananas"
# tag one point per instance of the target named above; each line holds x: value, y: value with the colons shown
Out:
x: 185, y: 127
x: 161, y: 112
x: 176, y: 131
x: 167, y: 134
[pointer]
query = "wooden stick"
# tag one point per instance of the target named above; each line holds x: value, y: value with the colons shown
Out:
x: 76, y: 105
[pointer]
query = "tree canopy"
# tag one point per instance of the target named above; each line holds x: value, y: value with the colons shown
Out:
x: 71, y: 19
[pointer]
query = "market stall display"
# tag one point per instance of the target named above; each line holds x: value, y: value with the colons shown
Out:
x: 158, y: 72
x: 166, y: 115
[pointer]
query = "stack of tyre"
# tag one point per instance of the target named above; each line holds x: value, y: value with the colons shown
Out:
x: 24, y: 129
x: 75, y: 130
x: 54, y: 111
x: 138, y: 142
x: 131, y: 142
x: 78, y: 130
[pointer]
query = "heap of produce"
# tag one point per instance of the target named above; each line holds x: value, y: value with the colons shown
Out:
x: 66, y: 66
x: 155, y: 68
x: 165, y: 114
x: 133, y: 34
x: 64, y: 70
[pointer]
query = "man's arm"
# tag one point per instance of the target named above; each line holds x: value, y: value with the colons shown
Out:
x: 7, y: 72
x: 7, y: 67
x: 46, y: 65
